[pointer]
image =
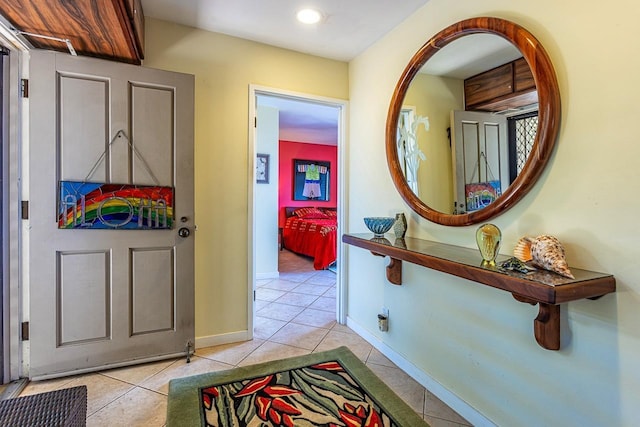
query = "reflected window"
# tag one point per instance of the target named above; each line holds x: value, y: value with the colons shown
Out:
x: 522, y: 134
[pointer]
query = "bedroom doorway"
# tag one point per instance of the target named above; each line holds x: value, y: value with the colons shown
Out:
x: 287, y: 126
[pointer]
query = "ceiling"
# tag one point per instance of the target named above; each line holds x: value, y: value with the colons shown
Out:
x: 348, y: 28
x: 301, y: 121
x: 471, y: 55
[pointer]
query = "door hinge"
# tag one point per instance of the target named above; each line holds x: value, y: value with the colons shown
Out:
x: 254, y: 295
x: 24, y: 332
x: 24, y: 88
x: 255, y: 122
x: 24, y: 209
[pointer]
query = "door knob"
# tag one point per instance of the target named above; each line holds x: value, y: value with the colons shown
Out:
x: 184, y: 232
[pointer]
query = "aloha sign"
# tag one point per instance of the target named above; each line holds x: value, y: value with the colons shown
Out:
x: 90, y: 205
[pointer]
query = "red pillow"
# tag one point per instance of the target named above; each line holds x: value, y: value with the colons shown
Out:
x: 310, y: 213
x: 330, y: 213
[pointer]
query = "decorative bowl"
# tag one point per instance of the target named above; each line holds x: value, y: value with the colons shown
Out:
x: 379, y: 224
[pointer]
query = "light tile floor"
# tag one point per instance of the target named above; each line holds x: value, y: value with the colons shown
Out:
x: 295, y: 315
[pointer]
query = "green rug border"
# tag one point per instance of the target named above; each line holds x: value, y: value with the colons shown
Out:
x: 183, y: 392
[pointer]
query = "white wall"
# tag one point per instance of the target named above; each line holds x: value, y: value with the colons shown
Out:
x: 476, y: 341
x: 266, y: 208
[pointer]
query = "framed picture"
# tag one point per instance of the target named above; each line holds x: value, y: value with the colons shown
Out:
x: 311, y: 180
x: 262, y: 168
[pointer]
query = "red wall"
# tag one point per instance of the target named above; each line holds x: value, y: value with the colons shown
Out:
x: 295, y: 150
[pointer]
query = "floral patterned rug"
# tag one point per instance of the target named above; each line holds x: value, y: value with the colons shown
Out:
x: 332, y: 388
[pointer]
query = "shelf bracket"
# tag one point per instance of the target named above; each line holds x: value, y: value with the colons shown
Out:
x: 546, y: 327
x: 394, y: 269
x: 524, y: 299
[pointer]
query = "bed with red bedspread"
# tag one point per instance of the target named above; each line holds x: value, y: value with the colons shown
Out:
x: 312, y: 232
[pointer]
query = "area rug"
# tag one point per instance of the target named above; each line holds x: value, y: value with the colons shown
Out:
x: 332, y: 388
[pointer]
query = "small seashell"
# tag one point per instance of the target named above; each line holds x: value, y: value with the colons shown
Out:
x: 516, y: 264
x: 522, y: 250
x: 545, y: 252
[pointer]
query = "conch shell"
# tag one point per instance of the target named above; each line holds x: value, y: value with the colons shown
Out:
x: 545, y: 252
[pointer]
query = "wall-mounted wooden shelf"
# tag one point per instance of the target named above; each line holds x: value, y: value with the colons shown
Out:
x: 541, y: 287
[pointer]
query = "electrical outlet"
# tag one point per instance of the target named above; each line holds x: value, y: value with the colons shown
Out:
x: 385, y: 312
x: 383, y: 319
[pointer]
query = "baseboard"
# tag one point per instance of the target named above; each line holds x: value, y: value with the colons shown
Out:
x: 231, y: 337
x: 272, y: 275
x: 449, y: 398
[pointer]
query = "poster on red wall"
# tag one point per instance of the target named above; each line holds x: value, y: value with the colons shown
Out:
x: 311, y: 180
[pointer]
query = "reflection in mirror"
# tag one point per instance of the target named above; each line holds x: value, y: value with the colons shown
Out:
x: 490, y: 121
x: 409, y: 147
x: 474, y: 149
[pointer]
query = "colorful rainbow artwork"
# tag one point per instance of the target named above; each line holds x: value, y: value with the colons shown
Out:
x: 482, y: 194
x: 90, y: 205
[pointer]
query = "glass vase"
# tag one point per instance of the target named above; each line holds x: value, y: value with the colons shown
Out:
x: 400, y: 226
x: 488, y: 238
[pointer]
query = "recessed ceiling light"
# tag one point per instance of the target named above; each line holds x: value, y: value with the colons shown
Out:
x: 309, y: 16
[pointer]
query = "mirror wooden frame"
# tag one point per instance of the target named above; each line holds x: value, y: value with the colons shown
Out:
x: 548, y: 116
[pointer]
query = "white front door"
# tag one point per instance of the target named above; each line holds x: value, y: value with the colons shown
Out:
x: 480, y: 153
x: 107, y: 297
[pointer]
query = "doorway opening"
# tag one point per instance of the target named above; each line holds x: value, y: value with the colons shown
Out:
x: 295, y: 133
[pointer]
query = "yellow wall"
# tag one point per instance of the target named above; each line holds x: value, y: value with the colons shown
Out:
x: 224, y: 67
x: 476, y: 341
x: 435, y: 97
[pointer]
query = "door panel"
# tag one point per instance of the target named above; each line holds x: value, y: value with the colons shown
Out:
x: 121, y: 296
x: 84, y: 276
x: 470, y: 150
x: 479, y: 151
x: 152, y: 128
x: 90, y: 118
x: 152, y: 289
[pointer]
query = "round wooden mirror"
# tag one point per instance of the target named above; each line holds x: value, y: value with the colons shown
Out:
x: 511, y: 78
